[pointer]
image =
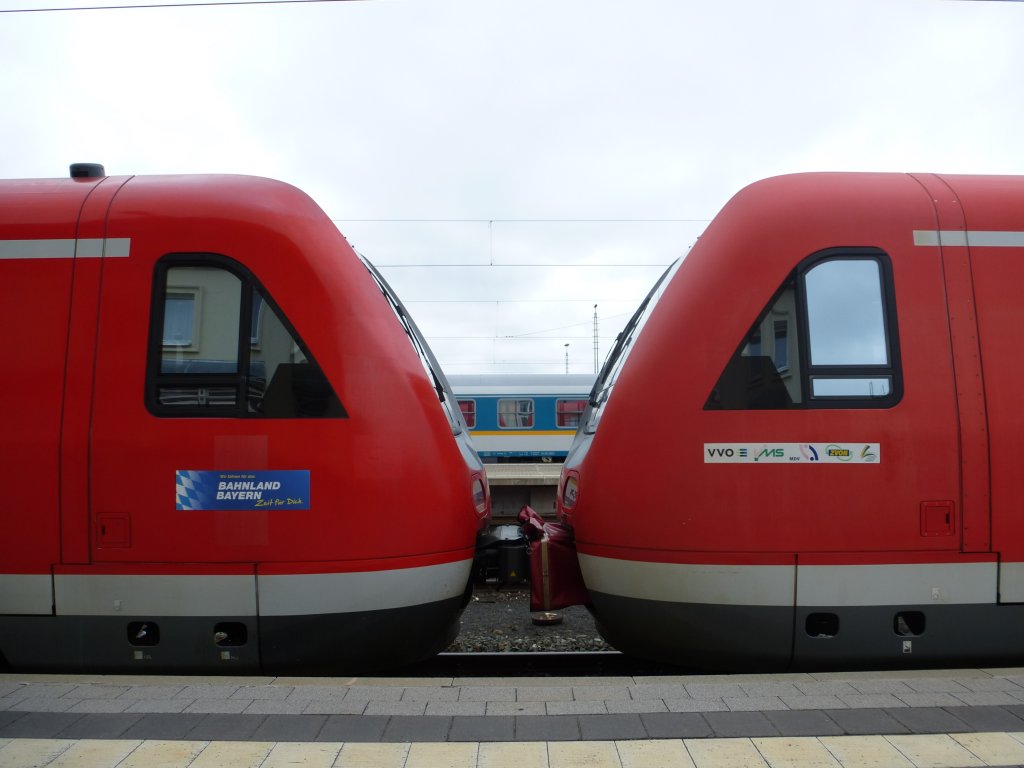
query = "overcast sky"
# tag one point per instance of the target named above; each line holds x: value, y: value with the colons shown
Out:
x: 534, y: 140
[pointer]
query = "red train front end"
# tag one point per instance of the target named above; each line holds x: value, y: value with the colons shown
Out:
x: 235, y: 452
x: 795, y: 457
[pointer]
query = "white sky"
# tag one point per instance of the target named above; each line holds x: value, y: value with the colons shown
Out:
x: 559, y: 134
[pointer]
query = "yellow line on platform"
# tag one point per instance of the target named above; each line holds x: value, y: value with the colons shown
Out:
x: 901, y: 751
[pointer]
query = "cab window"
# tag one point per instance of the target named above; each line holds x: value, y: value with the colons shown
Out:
x: 220, y: 347
x: 827, y: 339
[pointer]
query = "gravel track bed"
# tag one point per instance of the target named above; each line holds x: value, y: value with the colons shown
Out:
x: 499, y: 620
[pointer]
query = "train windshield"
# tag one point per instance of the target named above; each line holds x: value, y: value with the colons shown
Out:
x: 620, y: 351
x: 430, y: 364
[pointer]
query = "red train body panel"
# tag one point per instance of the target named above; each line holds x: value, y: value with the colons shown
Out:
x: 806, y: 456
x: 222, y: 431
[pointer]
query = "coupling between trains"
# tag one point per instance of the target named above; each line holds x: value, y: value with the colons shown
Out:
x: 799, y: 453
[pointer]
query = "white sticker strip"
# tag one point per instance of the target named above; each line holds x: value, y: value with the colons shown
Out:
x: 792, y: 453
x: 87, y: 248
x: 972, y: 238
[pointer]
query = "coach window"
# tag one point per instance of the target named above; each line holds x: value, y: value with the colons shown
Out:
x: 468, y: 408
x: 515, y: 414
x: 826, y: 340
x: 568, y: 412
x: 219, y: 347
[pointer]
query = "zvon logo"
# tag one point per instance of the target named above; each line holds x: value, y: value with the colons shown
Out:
x: 836, y: 452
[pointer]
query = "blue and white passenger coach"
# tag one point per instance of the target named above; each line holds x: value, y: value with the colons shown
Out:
x: 522, y: 417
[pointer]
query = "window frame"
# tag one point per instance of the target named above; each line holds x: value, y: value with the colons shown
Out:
x: 578, y: 414
x: 808, y: 372
x: 469, y: 401
x: 517, y: 413
x: 156, y: 378
x: 860, y: 371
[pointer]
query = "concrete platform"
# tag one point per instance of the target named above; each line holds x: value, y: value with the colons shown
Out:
x: 909, y: 718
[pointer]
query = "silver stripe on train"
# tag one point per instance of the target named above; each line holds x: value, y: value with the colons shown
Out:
x: 970, y: 238
x: 905, y: 584
x: 230, y: 595
x: 151, y: 595
x: 314, y: 593
x: 767, y: 585
x: 780, y: 585
x: 27, y: 594
x: 87, y: 248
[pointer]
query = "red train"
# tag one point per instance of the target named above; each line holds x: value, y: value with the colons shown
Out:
x: 226, y: 447
x: 804, y: 450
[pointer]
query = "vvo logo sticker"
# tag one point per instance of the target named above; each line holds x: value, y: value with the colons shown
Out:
x: 792, y: 453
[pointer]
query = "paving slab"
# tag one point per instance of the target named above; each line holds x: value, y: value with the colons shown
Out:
x: 107, y: 753
x: 584, y: 754
x: 725, y: 753
x: 416, y: 729
x: 527, y: 754
x: 33, y: 752
x: 804, y: 723
x: 988, y: 718
x: 865, y: 722
x: 636, y: 707
x: 729, y: 724
x: 6, y: 718
x: 796, y: 752
x: 611, y: 727
x: 865, y: 752
x: 992, y: 748
x: 547, y: 728
x: 158, y: 754
x: 936, y: 750
x: 482, y: 728
x: 929, y: 720
x: 696, y: 705
x: 353, y: 728
x: 576, y: 708
x: 292, y: 754
x: 676, y: 725
x: 162, y: 726
x: 487, y: 693
x: 96, y: 727
x: 461, y: 708
x: 290, y: 728
x: 226, y: 727
x: 233, y: 754
x: 39, y: 725
x: 499, y: 708
x: 670, y: 753
x: 360, y: 755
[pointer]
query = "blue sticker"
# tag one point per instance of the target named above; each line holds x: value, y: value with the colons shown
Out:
x: 242, y: 490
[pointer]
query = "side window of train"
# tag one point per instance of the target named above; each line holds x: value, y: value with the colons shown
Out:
x: 826, y: 340
x: 468, y: 408
x: 568, y: 413
x: 219, y: 347
x: 515, y: 414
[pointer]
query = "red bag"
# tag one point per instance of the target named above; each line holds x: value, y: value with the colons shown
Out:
x: 555, y: 578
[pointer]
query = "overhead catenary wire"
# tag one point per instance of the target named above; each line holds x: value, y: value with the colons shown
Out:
x: 229, y: 3
x: 146, y: 6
